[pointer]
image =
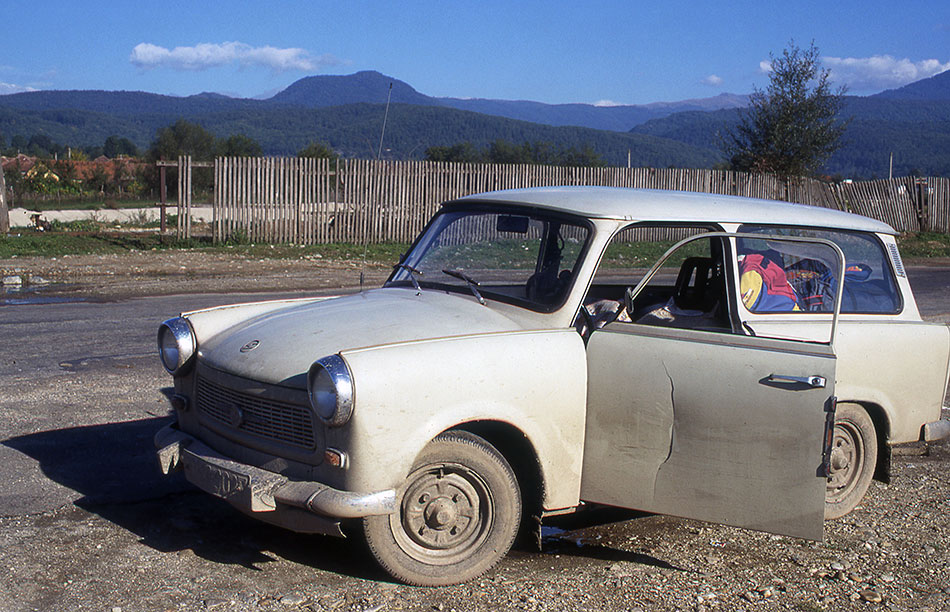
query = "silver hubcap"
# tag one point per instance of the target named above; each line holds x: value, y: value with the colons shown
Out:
x: 847, y: 458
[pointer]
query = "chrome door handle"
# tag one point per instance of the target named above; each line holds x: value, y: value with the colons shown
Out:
x: 816, y: 382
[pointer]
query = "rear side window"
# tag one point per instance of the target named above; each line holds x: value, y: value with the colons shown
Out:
x: 869, y: 285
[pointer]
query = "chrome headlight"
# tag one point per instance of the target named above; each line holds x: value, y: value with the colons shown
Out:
x: 331, y: 390
x: 176, y: 345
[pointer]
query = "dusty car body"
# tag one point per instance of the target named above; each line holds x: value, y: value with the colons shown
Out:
x: 526, y: 359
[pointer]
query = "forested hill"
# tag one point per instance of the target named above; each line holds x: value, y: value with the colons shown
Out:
x: 373, y: 87
x: 916, y: 131
x: 125, y: 103
x: 353, y: 130
x: 936, y: 87
x: 366, y: 87
x: 912, y: 122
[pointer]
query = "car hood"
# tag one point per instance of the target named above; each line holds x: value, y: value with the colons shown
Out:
x: 287, y: 341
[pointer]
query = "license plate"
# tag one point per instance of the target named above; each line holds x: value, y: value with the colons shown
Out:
x: 217, y: 480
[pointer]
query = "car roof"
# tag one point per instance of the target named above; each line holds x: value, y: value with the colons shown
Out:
x: 658, y: 205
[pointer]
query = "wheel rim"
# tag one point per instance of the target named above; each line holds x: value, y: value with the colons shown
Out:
x: 847, y: 461
x: 446, y: 512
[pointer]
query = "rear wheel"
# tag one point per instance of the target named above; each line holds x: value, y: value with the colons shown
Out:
x: 853, y: 459
x: 459, y: 512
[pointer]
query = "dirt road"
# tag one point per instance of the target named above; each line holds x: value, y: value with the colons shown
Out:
x: 140, y: 273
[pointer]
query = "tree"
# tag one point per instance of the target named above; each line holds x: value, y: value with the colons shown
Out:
x: 41, y: 145
x: 98, y: 179
x: 461, y: 152
x: 239, y: 145
x: 317, y: 150
x: 116, y: 146
x: 19, y: 143
x: 182, y: 138
x: 791, y: 128
x: 504, y: 152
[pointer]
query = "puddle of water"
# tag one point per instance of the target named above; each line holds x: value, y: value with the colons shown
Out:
x: 33, y: 294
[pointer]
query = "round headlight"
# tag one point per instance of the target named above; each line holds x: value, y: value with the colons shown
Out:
x: 331, y: 390
x: 176, y: 345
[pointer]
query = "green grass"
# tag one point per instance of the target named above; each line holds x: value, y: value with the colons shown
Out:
x: 90, y: 237
x: 924, y: 244
x: 54, y: 244
x: 81, y: 242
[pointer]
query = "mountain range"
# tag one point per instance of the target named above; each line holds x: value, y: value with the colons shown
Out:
x: 346, y: 112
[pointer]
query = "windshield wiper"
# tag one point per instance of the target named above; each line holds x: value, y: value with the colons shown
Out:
x: 472, y: 283
x: 412, y: 275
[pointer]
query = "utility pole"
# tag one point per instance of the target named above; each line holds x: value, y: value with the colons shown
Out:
x: 385, y: 115
x: 890, y: 170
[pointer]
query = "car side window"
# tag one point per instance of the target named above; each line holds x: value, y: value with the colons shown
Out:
x: 689, y: 289
x: 773, y: 281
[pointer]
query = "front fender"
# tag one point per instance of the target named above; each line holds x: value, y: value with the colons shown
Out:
x: 408, y: 393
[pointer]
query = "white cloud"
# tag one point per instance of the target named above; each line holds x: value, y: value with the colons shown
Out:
x: 765, y: 66
x: 604, y: 103
x: 10, y: 88
x: 880, y: 71
x: 713, y: 80
x: 212, y: 55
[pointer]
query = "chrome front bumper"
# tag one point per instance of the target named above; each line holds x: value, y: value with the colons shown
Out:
x: 303, y: 506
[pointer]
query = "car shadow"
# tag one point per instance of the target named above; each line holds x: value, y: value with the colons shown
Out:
x: 565, y: 535
x: 114, y: 470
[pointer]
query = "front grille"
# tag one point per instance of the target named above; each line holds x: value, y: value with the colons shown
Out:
x: 272, y: 420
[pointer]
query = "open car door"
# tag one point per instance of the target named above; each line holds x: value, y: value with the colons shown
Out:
x: 707, y: 421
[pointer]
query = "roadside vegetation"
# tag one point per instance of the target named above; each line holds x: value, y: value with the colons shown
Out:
x: 924, y: 245
x: 83, y: 238
x: 91, y: 237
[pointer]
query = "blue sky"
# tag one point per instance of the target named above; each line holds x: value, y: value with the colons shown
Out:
x: 607, y: 52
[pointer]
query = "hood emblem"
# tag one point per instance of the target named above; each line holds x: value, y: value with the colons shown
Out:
x: 250, y: 346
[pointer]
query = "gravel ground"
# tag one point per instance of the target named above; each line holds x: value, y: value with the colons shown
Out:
x: 187, y: 551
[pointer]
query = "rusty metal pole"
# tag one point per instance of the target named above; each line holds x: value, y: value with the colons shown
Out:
x: 4, y: 211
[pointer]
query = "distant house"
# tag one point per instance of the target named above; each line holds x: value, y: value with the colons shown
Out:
x: 21, y: 162
x: 118, y: 173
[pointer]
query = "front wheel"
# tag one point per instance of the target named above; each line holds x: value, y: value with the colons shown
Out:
x: 853, y: 460
x: 459, y: 514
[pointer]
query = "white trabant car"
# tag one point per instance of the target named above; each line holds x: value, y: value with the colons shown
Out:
x: 733, y: 360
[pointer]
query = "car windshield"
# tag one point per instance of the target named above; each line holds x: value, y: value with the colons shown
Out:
x: 512, y: 255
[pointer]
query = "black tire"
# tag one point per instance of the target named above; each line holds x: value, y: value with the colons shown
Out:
x: 459, y: 513
x: 853, y: 460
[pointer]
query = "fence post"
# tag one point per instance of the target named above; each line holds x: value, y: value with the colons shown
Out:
x: 4, y: 211
x: 184, y: 196
x: 180, y: 226
x: 163, y: 197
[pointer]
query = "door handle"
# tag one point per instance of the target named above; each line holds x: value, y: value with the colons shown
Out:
x: 816, y: 382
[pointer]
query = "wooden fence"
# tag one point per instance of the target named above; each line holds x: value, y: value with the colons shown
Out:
x: 307, y: 201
